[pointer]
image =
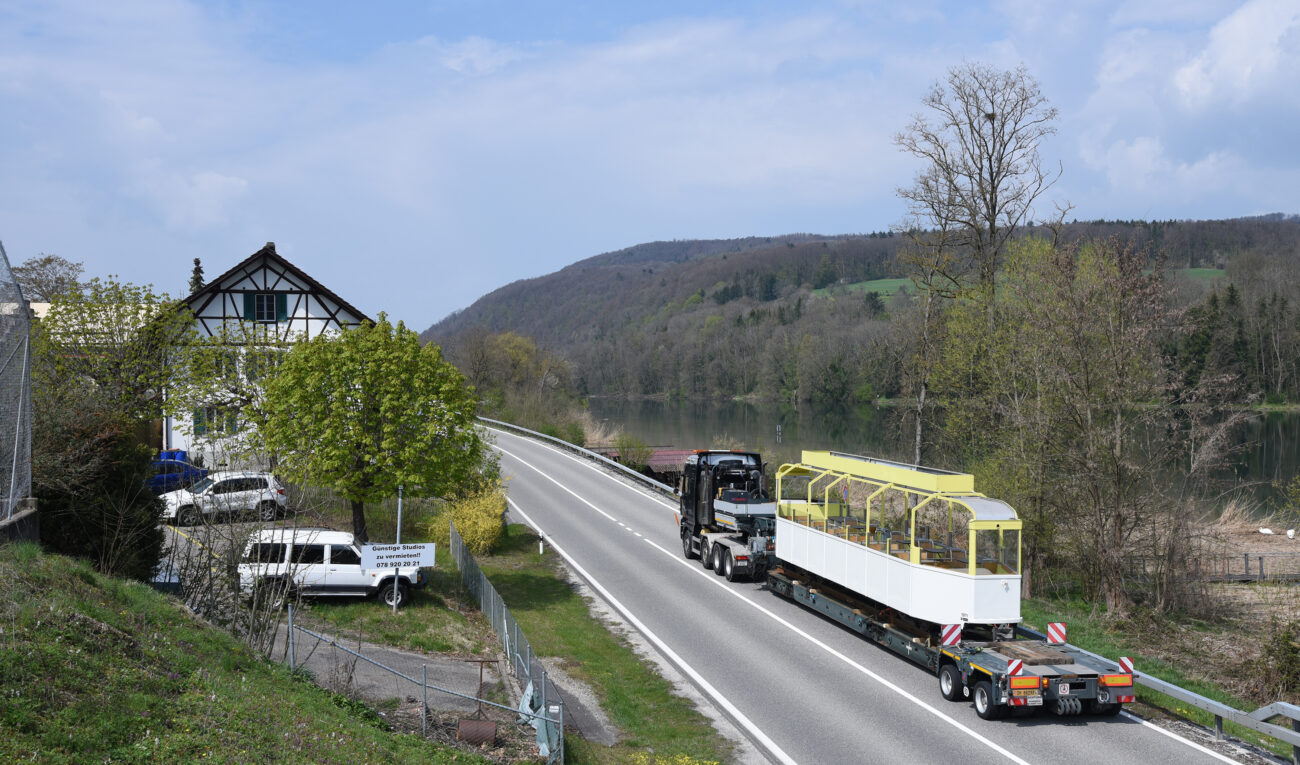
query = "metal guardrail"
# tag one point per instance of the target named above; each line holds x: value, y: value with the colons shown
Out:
x: 652, y: 483
x: 542, y: 699
x: 1257, y: 720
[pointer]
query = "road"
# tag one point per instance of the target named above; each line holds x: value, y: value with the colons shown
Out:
x: 802, y: 688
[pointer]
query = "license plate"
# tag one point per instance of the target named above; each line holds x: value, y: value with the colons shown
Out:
x: 1063, y: 689
x: 1034, y: 701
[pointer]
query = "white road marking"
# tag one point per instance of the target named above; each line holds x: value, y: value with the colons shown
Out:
x: 600, y: 471
x: 704, y: 685
x: 959, y: 726
x: 1177, y: 737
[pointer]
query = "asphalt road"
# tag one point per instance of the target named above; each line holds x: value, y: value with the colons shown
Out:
x: 802, y: 688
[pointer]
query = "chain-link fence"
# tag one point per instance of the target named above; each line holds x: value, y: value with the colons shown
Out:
x: 541, y: 697
x: 15, y: 393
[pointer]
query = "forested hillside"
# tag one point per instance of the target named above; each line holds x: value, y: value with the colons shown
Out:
x: 804, y: 316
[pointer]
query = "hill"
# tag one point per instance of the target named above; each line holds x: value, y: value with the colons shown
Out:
x: 102, y: 669
x: 796, y: 316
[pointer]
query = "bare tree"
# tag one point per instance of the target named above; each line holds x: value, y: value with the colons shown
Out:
x: 47, y: 277
x: 982, y: 171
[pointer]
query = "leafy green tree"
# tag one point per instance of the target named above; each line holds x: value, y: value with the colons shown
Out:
x: 100, y: 361
x: 369, y: 410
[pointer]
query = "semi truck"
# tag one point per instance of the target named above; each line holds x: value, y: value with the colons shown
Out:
x: 911, y: 558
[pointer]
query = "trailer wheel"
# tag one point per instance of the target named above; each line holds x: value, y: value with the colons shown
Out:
x: 720, y: 555
x: 687, y: 550
x: 706, y: 553
x: 950, y: 682
x: 1105, y: 710
x: 985, y: 707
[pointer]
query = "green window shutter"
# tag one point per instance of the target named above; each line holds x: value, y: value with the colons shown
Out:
x: 281, y: 307
x: 250, y: 306
x: 200, y: 425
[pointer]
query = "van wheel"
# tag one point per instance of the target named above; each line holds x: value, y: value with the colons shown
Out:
x: 268, y: 511
x: 272, y: 594
x: 950, y: 682
x: 188, y: 516
x: 388, y: 592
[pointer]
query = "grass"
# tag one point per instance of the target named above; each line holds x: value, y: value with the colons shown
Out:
x: 95, y: 668
x: 659, y: 726
x: 636, y: 698
x: 885, y: 287
x: 1091, y: 630
x: 1200, y: 274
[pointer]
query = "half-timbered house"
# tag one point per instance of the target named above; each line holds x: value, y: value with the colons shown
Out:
x: 264, y: 302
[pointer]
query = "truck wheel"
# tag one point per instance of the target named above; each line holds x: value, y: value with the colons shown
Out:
x: 386, y: 594
x: 706, y: 553
x: 728, y: 567
x: 720, y: 553
x: 1105, y: 710
x: 188, y: 516
x: 722, y: 556
x: 686, y: 546
x: 268, y: 511
x: 950, y: 682
x: 985, y: 707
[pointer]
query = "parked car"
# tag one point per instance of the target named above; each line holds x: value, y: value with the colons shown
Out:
x: 170, y: 475
x: 226, y: 493
x: 278, y: 563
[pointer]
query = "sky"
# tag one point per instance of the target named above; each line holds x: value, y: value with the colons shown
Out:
x: 413, y: 156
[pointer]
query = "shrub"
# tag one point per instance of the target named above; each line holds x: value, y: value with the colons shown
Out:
x: 480, y: 519
x: 633, y: 452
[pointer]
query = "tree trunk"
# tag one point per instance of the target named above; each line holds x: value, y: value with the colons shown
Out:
x: 359, y: 522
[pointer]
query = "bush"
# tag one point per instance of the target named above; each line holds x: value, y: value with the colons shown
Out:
x: 633, y: 452
x: 480, y: 519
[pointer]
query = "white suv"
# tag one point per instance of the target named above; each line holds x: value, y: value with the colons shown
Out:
x: 226, y: 493
x: 281, y: 562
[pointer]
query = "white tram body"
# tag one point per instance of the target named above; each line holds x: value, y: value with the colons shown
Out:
x: 917, y: 540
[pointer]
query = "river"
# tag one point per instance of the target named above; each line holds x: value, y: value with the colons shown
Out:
x: 1267, y: 445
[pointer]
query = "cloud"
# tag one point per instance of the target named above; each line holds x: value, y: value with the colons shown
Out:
x: 1252, y: 54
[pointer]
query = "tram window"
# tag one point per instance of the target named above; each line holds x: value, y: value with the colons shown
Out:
x: 997, y: 551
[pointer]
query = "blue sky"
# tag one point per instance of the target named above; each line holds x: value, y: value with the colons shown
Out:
x: 413, y: 156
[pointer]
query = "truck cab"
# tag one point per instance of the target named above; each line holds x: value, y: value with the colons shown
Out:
x: 726, y: 517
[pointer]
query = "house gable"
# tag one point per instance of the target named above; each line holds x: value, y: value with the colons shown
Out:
x: 277, y: 296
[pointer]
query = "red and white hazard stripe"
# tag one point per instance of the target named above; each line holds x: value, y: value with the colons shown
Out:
x: 951, y: 634
x: 1126, y: 664
x: 1056, y: 633
x: 1015, y: 666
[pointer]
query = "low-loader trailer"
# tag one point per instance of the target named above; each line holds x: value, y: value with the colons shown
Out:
x: 910, y: 558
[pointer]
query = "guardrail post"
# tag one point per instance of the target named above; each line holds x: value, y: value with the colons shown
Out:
x: 1295, y: 749
x: 1218, y: 727
x: 1246, y: 557
x: 1261, y: 568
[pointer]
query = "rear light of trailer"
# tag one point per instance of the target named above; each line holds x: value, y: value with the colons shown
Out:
x: 1024, y: 682
x: 1126, y: 699
x: 1113, y: 680
x: 742, y: 557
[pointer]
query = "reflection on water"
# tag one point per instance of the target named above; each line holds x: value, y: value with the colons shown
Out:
x: 1267, y: 445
